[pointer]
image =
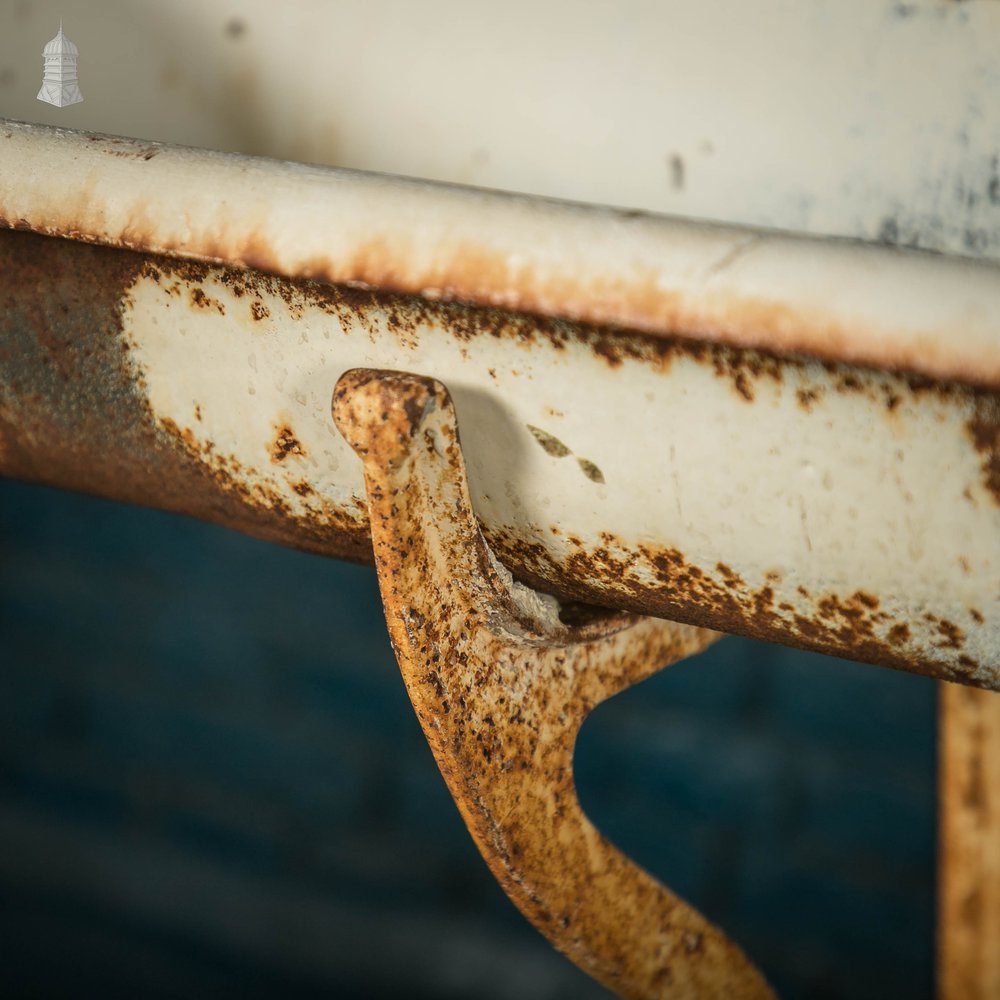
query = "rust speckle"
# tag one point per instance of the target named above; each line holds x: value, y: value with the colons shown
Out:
x: 202, y: 300
x: 551, y: 444
x: 977, y: 616
x: 807, y: 397
x: 258, y: 310
x: 953, y: 636
x: 742, y: 385
x: 285, y: 444
x: 870, y: 601
x: 590, y: 470
x: 730, y: 577
x: 899, y: 633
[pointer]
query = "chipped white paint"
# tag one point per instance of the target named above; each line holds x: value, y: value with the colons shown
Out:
x: 933, y: 315
x: 849, y: 495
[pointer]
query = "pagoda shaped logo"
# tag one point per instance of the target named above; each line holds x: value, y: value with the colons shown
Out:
x: 60, y: 86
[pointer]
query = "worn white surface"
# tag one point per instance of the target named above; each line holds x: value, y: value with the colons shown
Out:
x: 866, y: 118
x: 935, y: 315
x: 846, y: 495
x: 858, y: 118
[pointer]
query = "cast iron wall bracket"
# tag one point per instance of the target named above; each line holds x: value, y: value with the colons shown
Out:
x: 501, y: 686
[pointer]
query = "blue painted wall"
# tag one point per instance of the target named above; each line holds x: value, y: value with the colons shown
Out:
x: 211, y: 783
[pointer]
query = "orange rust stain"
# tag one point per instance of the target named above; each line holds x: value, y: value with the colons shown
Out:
x: 868, y: 600
x: 984, y: 430
x: 899, y: 633
x: 954, y: 637
x: 743, y: 387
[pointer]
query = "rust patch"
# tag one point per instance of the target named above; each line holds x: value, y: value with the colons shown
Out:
x: 806, y: 398
x: 285, y: 444
x: 899, y: 634
x: 742, y: 385
x: 662, y: 582
x: 201, y: 300
x: 258, y: 310
x: 550, y: 444
x: 953, y: 636
x: 984, y: 430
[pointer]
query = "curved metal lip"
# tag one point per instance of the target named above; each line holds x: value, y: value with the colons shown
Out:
x: 831, y: 299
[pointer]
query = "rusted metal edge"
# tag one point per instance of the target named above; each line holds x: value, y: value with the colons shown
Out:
x: 830, y: 299
x: 74, y: 412
x: 88, y: 403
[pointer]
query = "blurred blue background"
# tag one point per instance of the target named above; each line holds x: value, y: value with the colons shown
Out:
x: 212, y: 783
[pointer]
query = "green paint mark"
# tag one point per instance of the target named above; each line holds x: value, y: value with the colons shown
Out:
x: 590, y: 470
x: 551, y: 444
